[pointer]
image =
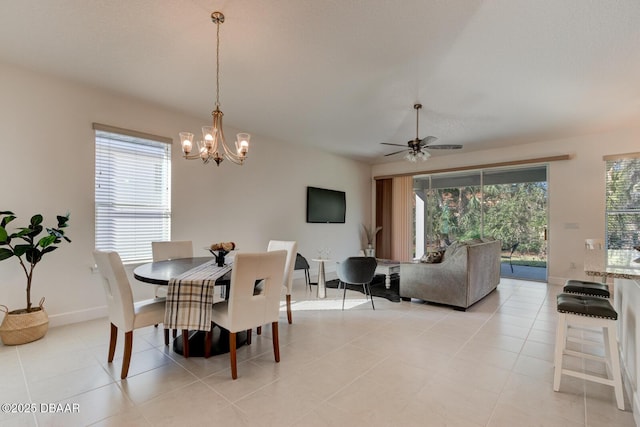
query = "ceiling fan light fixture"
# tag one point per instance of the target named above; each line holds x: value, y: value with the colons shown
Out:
x: 419, y: 148
x: 410, y: 156
x: 414, y: 156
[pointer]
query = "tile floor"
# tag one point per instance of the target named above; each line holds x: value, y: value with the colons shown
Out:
x: 404, y: 364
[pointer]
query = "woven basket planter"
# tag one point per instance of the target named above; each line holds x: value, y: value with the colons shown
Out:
x: 19, y: 327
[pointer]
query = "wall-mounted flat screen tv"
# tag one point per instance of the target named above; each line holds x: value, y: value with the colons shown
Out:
x: 326, y: 206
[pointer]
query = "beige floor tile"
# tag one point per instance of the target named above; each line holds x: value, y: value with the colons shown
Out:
x: 447, y: 400
x: 499, y: 326
x: 483, y: 354
x: 441, y: 343
x: 69, y: 384
x: 92, y: 406
x: 540, y: 350
x: 156, y: 382
x: 130, y: 418
x: 529, y: 396
x: 503, y: 342
x: 279, y: 403
x: 252, y: 377
x: 540, y: 369
x: 475, y: 375
x: 505, y: 415
x: 408, y: 363
x: 19, y: 420
x: 192, y: 405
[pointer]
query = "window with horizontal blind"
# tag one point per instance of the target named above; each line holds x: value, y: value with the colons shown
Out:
x: 623, y: 201
x: 132, y: 192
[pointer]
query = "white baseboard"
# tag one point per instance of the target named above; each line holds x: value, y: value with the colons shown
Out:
x: 633, y: 394
x: 77, y: 316
x: 636, y: 409
x: 558, y: 281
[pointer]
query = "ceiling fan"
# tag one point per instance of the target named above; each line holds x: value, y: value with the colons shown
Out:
x: 417, y: 147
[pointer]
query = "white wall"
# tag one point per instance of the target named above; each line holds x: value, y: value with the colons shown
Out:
x: 626, y: 300
x: 576, y: 188
x: 47, y: 167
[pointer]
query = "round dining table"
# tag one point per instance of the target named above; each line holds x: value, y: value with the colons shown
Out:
x: 160, y: 273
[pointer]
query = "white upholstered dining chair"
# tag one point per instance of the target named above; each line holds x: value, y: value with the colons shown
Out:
x: 162, y: 251
x: 244, y: 309
x: 287, y: 280
x: 123, y: 312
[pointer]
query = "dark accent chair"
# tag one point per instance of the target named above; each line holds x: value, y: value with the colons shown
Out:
x: 302, y: 264
x: 357, y: 271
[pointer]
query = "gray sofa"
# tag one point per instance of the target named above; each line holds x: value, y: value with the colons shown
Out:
x: 468, y: 272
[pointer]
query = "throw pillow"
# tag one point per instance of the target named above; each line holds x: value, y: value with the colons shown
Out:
x: 432, y: 257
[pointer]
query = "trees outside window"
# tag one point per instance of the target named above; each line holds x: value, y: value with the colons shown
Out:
x: 506, y: 204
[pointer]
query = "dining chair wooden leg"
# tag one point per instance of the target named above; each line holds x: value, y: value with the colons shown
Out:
x: 289, y: 309
x: 276, y: 341
x: 112, y: 342
x: 249, y: 333
x: 232, y: 355
x: 128, y: 345
x: 259, y: 330
x: 174, y: 333
x: 185, y: 343
x: 207, y: 344
x: 166, y: 337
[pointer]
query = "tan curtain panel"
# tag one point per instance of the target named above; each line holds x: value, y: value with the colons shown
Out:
x: 401, y: 227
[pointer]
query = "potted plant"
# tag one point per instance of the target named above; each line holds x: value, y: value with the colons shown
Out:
x: 370, y: 234
x: 28, y: 244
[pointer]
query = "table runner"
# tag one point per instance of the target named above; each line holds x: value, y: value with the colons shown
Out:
x: 190, y: 297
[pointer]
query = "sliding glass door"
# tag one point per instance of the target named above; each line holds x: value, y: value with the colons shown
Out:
x: 506, y: 204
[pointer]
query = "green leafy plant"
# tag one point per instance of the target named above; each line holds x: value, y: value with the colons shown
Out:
x: 28, y: 246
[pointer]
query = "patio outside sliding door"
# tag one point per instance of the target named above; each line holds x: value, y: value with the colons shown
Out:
x: 506, y: 204
x: 515, y: 211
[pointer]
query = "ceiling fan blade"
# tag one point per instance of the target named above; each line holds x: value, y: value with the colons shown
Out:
x: 388, y: 143
x: 428, y: 140
x: 445, y: 147
x: 395, y: 152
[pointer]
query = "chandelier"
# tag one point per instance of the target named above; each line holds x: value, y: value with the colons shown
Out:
x: 213, y: 145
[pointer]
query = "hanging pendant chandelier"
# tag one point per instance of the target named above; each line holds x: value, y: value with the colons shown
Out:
x: 213, y: 145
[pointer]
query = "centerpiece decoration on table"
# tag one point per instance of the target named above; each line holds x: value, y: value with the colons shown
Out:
x: 220, y: 250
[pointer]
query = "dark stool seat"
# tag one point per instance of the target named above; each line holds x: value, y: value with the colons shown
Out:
x: 583, y: 287
x: 583, y: 311
x: 586, y: 306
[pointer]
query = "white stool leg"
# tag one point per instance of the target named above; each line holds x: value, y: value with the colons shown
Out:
x: 561, y: 330
x: 614, y: 358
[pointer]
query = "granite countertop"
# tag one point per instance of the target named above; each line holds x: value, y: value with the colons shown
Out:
x: 616, y: 263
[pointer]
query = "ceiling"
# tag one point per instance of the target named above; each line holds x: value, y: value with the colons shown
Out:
x: 343, y: 75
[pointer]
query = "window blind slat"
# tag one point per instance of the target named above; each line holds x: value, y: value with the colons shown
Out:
x: 132, y: 194
x: 623, y: 202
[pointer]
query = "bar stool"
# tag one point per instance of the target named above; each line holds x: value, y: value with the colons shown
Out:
x: 593, y: 312
x: 582, y: 287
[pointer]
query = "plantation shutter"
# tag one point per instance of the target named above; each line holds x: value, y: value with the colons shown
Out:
x: 623, y: 201
x: 132, y: 192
